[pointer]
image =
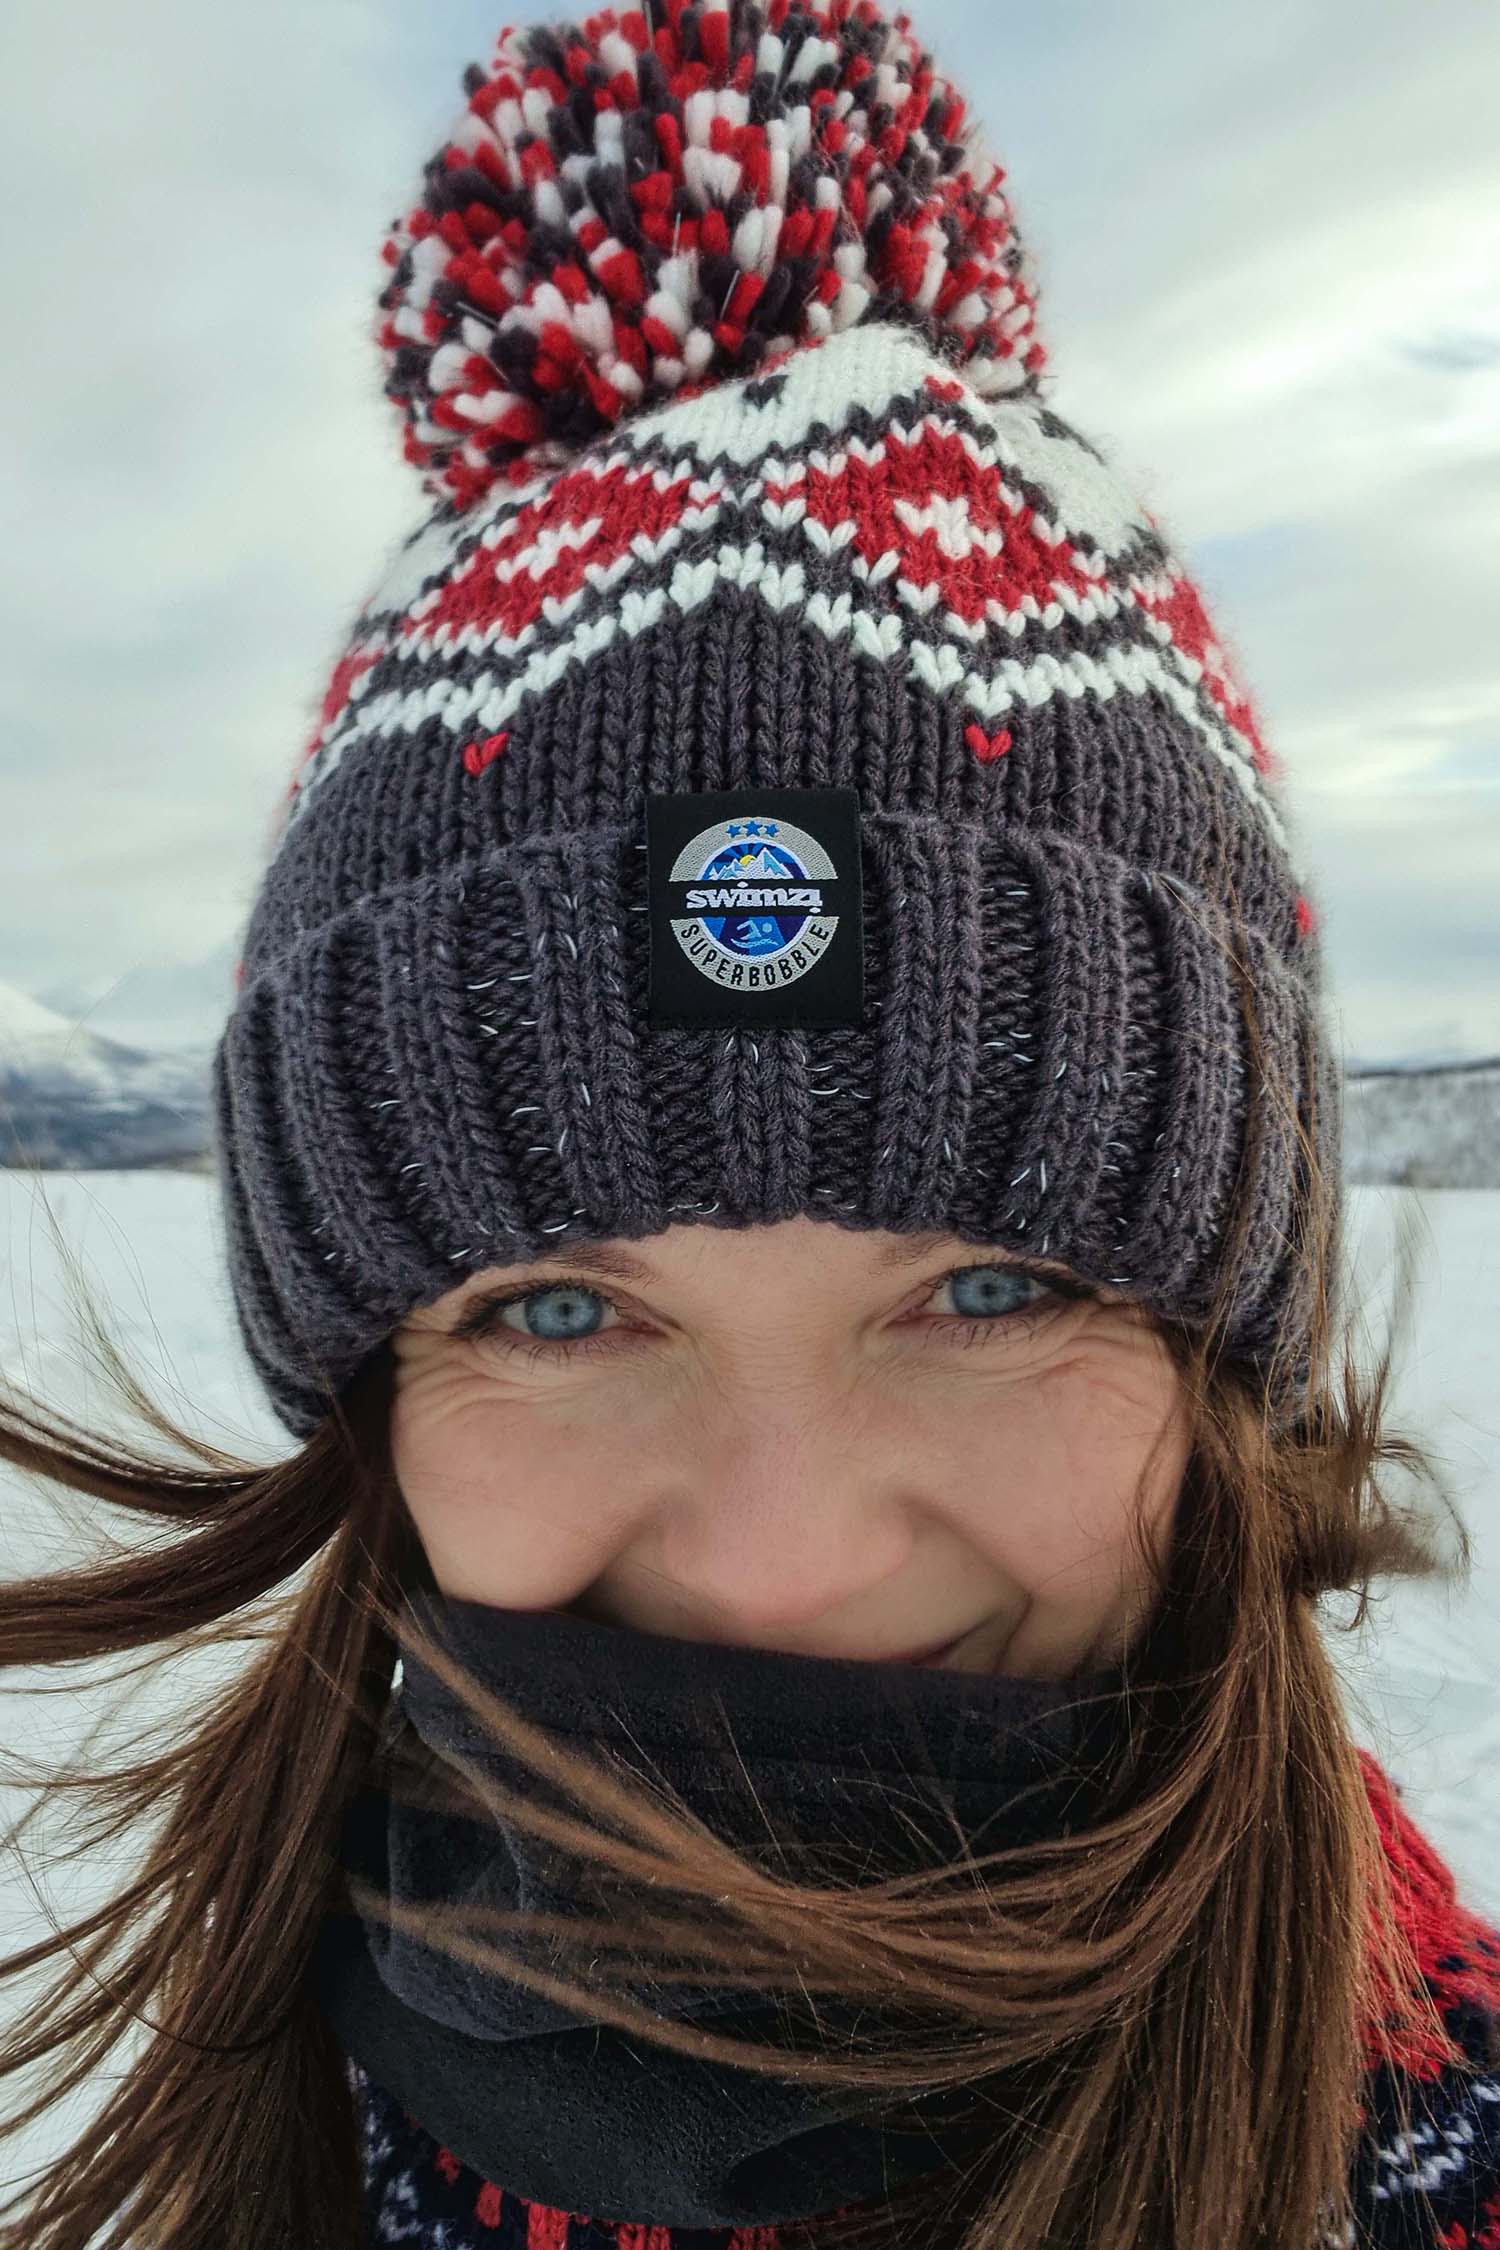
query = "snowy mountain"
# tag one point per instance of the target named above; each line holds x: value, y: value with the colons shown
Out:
x: 157, y: 1005
x: 1425, y: 1128
x: 71, y: 1099
x: 765, y: 863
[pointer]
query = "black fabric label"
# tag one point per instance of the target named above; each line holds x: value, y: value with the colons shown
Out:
x: 756, y: 906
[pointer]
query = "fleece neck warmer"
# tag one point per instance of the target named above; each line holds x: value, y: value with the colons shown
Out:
x: 828, y: 1768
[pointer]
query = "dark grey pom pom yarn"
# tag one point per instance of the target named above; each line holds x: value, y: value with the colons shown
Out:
x: 983, y: 986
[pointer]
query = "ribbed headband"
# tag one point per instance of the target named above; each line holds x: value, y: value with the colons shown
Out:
x: 787, y: 773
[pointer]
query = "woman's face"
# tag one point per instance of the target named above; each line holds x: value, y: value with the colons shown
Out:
x: 798, y: 1437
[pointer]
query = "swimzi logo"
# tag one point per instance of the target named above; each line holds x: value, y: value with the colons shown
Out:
x: 755, y: 905
x: 752, y: 921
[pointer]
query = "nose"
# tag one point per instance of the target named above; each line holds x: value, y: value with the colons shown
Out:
x: 785, y: 1526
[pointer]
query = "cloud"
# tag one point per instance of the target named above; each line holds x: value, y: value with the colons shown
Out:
x: 1405, y: 882
x: 201, y: 468
x: 1455, y: 353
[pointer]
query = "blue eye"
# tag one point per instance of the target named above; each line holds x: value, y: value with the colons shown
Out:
x: 1001, y: 1301
x: 1012, y: 1300
x: 1000, y: 1290
x: 563, y: 1321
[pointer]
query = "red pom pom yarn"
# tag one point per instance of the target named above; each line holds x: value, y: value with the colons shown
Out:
x: 637, y: 208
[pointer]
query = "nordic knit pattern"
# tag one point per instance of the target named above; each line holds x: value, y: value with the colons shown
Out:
x: 741, y: 485
x: 420, y: 2193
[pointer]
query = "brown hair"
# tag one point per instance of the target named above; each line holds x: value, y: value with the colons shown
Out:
x: 1182, y: 2073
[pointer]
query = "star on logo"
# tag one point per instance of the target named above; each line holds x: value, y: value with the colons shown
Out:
x: 752, y: 828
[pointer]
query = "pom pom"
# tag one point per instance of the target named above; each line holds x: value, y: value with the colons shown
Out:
x: 657, y: 202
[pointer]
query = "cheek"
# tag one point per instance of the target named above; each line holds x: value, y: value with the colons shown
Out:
x: 507, y: 1502
x: 1067, y: 1452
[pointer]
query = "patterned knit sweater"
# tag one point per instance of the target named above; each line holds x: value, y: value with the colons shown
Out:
x: 420, y: 2193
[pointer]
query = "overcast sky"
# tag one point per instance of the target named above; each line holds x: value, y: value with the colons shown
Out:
x: 1268, y: 245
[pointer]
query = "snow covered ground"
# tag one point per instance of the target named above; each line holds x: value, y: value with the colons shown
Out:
x: 1423, y: 1678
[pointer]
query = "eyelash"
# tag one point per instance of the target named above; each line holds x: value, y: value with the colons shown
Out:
x: 482, y: 1322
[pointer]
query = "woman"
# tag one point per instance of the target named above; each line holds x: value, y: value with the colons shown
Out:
x: 777, y: 1123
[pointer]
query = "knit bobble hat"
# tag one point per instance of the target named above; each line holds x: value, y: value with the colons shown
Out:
x: 785, y: 772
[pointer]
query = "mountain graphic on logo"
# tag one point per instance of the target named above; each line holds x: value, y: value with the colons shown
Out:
x: 764, y: 864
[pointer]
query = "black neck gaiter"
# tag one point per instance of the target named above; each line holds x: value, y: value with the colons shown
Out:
x: 821, y: 1767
